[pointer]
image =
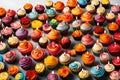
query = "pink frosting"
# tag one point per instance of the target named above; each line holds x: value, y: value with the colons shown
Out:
x: 115, y: 75
x: 6, y: 31
x: 15, y: 25
x: 104, y: 57
x: 115, y: 8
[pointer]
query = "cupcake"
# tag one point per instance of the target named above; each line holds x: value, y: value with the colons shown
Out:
x: 97, y: 48
x: 36, y: 24
x: 2, y: 66
x: 109, y: 67
x: 54, y: 49
x: 60, y: 17
x: 84, y: 74
x: 105, y: 3
x: 63, y: 72
x: 71, y: 3
x: 110, y: 17
x: 114, y: 75
x: 82, y: 3
x: 38, y: 54
x: 52, y: 76
x: 77, y: 11
x: 13, y: 70
x: 40, y: 68
x: 65, y: 59
x: 66, y: 9
x: 25, y: 47
x: 85, y: 27
x: 32, y: 15
x: 118, y: 19
x: 48, y: 4
x: 43, y: 42
x: 116, y: 37
x: 76, y: 24
x: 80, y: 48
x: 116, y: 62
x: 21, y: 33
x: 6, y: 32
x: 100, y: 10
x: 3, y: 48
x: 97, y: 71
x: 51, y: 13
x: 88, y: 40
x: 99, y: 19
x: 104, y: 57
x: 25, y: 22
x: 43, y: 17
x: 53, y: 35
x: 36, y: 34
x: 75, y: 66
x: 25, y: 62
x: 53, y: 23
x: 88, y: 58
x: 39, y: 8
x: 115, y: 8
x: 67, y: 17
x: 51, y: 62
x: 19, y: 76
x: 21, y: 13
x: 65, y: 42
x: 6, y: 20
x: 63, y: 27
x: 87, y: 17
x: 98, y: 30
x: 28, y: 7
x: 31, y: 75
x: 4, y: 76
x: 10, y: 56
x: 72, y: 52
x: 113, y: 27
x: 77, y: 34
x: 15, y: 25
x: 96, y: 3
x: 46, y: 28
x: 105, y: 38
x: 90, y: 8
x: 2, y: 12
x: 13, y: 42
x: 59, y: 5
x: 11, y: 13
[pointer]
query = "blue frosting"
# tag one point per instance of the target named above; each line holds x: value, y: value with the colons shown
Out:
x: 1, y: 59
x: 97, y: 72
x: 73, y: 66
x: 50, y: 11
x: 62, y: 26
x: 22, y: 76
x: 82, y: 2
x: 32, y: 15
x: 83, y: 27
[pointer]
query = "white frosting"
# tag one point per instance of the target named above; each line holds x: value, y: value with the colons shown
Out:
x: 2, y: 46
x: 109, y: 67
x: 64, y: 58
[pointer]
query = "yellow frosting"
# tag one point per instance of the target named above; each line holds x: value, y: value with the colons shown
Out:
x: 39, y: 67
x: 84, y: 74
x: 13, y: 40
x: 37, y: 24
x: 4, y: 76
x: 1, y: 66
x: 105, y: 2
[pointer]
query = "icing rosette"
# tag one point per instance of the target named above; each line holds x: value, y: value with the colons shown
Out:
x: 10, y: 56
x: 38, y: 54
x: 54, y: 48
x: 86, y: 17
x: 25, y: 47
x: 40, y: 68
x: 11, y: 13
x: 6, y: 31
x: 12, y: 70
x: 20, y: 76
x: 31, y: 75
x: 52, y: 76
x: 118, y: 20
x: 87, y: 40
x: 25, y: 62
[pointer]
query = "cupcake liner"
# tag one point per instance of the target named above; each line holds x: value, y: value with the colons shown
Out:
x: 64, y: 33
x: 43, y: 45
x: 105, y: 6
x: 51, y: 67
x: 80, y: 53
x: 82, y: 6
x: 96, y: 54
x: 3, y: 51
x: 112, y: 32
x: 85, y: 32
x: 77, y: 38
x: 7, y: 36
x: 28, y: 10
x: 22, y: 37
x: 115, y: 53
x: 76, y: 28
x: 26, y: 26
x: 35, y: 39
x: 76, y: 70
x: 117, y: 41
x: 66, y: 63
x: 65, y: 46
x: 14, y: 46
x: 21, y: 16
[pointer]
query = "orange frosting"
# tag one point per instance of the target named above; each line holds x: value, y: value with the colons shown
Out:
x: 86, y: 17
x: 72, y: 3
x: 88, y: 58
x: 2, y: 11
x: 80, y: 47
x: 59, y: 18
x: 53, y: 35
x: 12, y: 70
x: 59, y: 5
x: 28, y: 6
x: 113, y: 26
x: 105, y: 38
x: 38, y: 53
x: 77, y: 11
x: 68, y: 17
x: 77, y: 33
x: 64, y: 71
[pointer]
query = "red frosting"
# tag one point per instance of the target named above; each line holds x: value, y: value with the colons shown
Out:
x: 99, y: 18
x: 65, y: 40
x: 116, y: 61
x: 11, y: 13
x: 118, y: 20
x: 117, y: 36
x: 68, y: 17
x: 98, y: 30
x: 25, y: 20
x: 31, y: 75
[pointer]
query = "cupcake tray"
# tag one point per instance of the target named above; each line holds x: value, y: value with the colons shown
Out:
x: 77, y: 58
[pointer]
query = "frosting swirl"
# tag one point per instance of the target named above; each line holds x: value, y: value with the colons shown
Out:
x: 12, y: 70
x: 62, y: 26
x: 6, y: 31
x: 39, y: 67
x: 84, y: 74
x: 64, y: 58
x: 20, y: 76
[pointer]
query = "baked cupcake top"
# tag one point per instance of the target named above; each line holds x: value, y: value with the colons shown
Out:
x: 6, y: 31
x: 15, y: 25
x: 110, y: 15
x: 72, y: 3
x: 43, y: 17
x: 113, y: 26
x: 77, y: 11
x: 64, y: 58
x: 77, y: 33
x: 39, y: 67
x: 4, y: 76
x: 116, y: 61
x: 80, y: 47
x: 52, y: 75
x: 86, y: 17
x: 36, y: 24
x: 13, y: 40
x: 20, y: 76
x: 31, y: 75
x: 36, y: 33
x: 83, y: 74
x: 11, y: 13
x: 109, y: 67
x: 115, y: 8
x: 100, y: 10
x: 117, y: 36
x: 114, y: 75
x: 28, y: 6
x: 58, y: 5
x: 12, y: 70
x: 63, y: 26
x: 2, y: 11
